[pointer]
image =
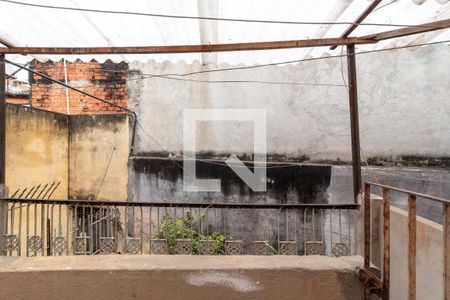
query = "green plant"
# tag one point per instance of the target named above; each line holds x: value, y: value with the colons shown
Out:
x: 185, y: 228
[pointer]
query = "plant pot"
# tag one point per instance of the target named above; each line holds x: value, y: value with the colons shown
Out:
x: 287, y: 248
x: 183, y: 246
x: 133, y: 246
x: 207, y: 247
x: 260, y: 248
x: 107, y: 245
x: 234, y: 247
x: 314, y: 248
x: 340, y: 249
x: 158, y: 246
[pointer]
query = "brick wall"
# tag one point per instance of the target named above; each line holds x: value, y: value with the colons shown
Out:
x: 105, y: 80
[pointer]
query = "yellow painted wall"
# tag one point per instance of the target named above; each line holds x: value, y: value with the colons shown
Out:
x: 44, y: 147
x: 36, y: 154
x: 36, y: 149
x: 97, y: 141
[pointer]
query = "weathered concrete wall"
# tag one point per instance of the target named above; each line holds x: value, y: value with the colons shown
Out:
x: 429, y: 258
x: 81, y: 152
x: 162, y: 180
x: 304, y: 123
x: 181, y: 277
x: 36, y: 149
x: 99, y: 148
x: 403, y: 107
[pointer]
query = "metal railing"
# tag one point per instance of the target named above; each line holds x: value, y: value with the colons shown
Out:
x: 377, y: 282
x: 80, y: 227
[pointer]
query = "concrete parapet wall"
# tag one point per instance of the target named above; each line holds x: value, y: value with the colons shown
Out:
x: 429, y: 259
x: 181, y: 277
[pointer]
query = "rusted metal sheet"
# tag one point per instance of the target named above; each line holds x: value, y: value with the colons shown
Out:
x: 447, y: 251
x: 386, y: 243
x: 354, y: 120
x: 189, y: 48
x: 412, y: 229
x: 358, y: 21
x: 409, y: 30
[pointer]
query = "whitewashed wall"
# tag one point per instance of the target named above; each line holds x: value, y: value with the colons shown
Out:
x: 403, y: 94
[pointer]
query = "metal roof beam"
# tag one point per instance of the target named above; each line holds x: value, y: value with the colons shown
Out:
x: 190, y: 48
x: 5, y: 42
x: 409, y: 30
x: 361, y: 18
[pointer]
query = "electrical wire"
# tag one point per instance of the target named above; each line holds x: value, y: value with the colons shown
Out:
x: 383, y: 6
x: 106, y: 172
x: 205, y: 18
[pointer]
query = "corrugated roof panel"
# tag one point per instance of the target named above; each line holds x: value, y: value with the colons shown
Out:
x: 34, y: 26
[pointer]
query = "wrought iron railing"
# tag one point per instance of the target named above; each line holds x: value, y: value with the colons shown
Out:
x: 78, y: 227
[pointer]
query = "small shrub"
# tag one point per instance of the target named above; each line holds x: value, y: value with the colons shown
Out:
x: 184, y: 228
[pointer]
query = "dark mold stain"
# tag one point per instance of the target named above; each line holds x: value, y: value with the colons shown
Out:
x: 285, y: 183
x: 81, y: 123
x: 410, y: 161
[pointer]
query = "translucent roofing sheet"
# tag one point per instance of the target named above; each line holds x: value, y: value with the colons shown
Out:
x: 39, y: 26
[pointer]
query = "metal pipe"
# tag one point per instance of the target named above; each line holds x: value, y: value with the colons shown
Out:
x: 354, y: 120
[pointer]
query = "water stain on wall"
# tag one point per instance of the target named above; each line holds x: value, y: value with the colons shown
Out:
x: 285, y: 183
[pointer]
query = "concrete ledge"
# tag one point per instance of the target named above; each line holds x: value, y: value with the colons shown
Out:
x: 180, y: 277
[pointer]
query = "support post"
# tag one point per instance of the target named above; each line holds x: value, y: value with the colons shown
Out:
x: 387, y: 244
x: 3, y: 206
x: 446, y: 251
x: 412, y: 251
x: 354, y: 120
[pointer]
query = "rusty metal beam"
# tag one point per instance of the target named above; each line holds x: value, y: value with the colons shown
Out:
x: 354, y: 120
x: 189, y: 48
x: 409, y: 30
x: 358, y: 21
x: 408, y: 192
x: 2, y: 120
x: 6, y: 42
x: 446, y: 251
x: 412, y: 231
x: 367, y: 226
x: 367, y: 237
x: 3, y: 205
x: 386, y: 243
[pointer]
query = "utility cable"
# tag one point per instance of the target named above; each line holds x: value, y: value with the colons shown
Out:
x: 132, y: 113
x: 106, y: 173
x: 206, y: 18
